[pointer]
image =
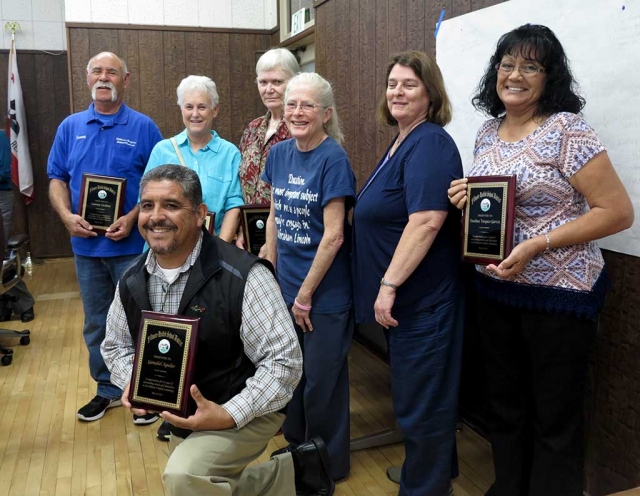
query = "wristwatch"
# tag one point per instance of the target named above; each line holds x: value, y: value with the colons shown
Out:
x: 387, y: 283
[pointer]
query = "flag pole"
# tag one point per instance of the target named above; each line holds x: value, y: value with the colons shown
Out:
x: 12, y: 26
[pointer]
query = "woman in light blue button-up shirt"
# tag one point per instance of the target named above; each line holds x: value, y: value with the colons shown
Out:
x: 215, y: 160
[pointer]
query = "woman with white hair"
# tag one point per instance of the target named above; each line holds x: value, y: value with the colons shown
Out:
x: 313, y: 188
x: 274, y: 70
x: 199, y: 147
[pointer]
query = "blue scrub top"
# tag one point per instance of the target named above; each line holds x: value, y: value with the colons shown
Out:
x: 116, y: 145
x: 217, y: 166
x: 415, y: 178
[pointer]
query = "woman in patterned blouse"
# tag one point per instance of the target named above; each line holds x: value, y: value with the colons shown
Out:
x: 538, y: 307
x: 273, y: 71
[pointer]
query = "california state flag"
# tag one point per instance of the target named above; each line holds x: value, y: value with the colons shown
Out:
x: 21, y: 170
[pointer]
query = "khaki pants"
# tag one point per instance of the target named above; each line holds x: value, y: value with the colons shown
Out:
x: 214, y: 463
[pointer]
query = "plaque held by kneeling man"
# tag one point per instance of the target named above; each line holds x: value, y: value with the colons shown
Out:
x: 164, y: 363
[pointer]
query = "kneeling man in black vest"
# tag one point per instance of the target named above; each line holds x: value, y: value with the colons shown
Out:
x: 248, y: 361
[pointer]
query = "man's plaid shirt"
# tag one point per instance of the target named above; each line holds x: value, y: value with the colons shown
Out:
x: 267, y: 332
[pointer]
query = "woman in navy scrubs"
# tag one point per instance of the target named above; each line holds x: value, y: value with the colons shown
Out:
x: 406, y: 258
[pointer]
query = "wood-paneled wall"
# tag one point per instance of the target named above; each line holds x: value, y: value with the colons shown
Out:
x: 158, y: 59
x: 45, y: 89
x: 613, y: 399
x: 354, y: 39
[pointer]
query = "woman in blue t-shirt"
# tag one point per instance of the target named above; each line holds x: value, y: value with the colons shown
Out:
x: 406, y: 258
x: 313, y: 187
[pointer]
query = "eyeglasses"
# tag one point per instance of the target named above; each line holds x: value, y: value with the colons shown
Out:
x: 304, y: 106
x: 525, y: 70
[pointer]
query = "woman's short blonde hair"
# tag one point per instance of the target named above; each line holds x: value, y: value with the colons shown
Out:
x: 426, y: 69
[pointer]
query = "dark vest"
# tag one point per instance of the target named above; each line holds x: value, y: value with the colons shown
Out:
x: 214, y: 292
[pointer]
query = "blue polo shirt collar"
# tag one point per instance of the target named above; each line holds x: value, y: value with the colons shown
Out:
x: 120, y: 117
x: 213, y: 145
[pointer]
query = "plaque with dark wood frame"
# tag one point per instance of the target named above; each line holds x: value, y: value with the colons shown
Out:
x: 250, y: 215
x: 162, y: 378
x: 98, y: 211
x: 210, y: 222
x: 488, y: 219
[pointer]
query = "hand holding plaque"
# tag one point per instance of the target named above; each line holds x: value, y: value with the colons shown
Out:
x: 101, y: 200
x: 254, y: 226
x: 488, y: 219
x: 164, y: 363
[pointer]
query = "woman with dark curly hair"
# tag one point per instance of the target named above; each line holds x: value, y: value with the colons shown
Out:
x: 538, y: 308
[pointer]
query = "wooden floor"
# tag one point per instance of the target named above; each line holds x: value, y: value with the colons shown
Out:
x: 44, y: 450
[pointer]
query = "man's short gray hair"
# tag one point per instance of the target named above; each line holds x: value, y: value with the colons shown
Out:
x: 123, y: 64
x: 202, y: 84
x: 185, y: 177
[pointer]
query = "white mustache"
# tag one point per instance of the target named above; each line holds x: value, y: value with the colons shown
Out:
x: 103, y: 84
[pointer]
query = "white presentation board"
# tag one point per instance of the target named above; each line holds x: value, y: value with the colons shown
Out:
x: 602, y: 41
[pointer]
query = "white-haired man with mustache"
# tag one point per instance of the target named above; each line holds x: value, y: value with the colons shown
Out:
x: 107, y: 139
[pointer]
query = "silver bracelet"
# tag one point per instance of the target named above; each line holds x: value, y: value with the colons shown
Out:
x: 546, y: 236
x: 387, y: 283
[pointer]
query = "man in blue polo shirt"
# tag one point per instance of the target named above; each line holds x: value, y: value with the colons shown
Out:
x: 107, y: 139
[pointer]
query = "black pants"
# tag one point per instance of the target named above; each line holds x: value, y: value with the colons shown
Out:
x: 536, y: 370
